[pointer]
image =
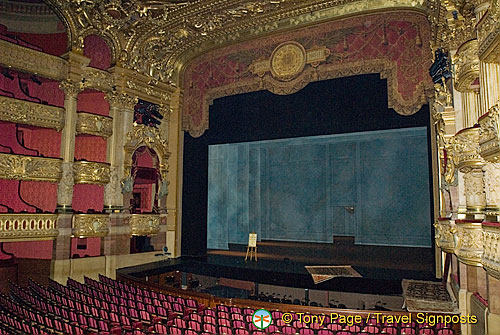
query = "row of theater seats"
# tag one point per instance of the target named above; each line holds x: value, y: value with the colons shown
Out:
x: 111, y: 307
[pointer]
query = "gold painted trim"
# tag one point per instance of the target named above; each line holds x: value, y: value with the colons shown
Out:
x: 93, y: 124
x: 90, y: 225
x: 144, y: 224
x: 491, y: 255
x: 19, y: 167
x: 32, y: 61
x: 489, y: 135
x: 31, y: 113
x: 86, y: 172
x: 28, y: 227
x: 488, y: 32
x: 469, y: 242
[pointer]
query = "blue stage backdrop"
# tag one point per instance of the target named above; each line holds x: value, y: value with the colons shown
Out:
x: 370, y: 185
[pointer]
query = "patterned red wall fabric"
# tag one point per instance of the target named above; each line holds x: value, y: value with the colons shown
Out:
x: 33, y: 249
x: 93, y: 102
x: 93, y: 247
x: 8, y: 138
x: 146, y: 196
x: 98, y: 51
x: 91, y: 148
x: 87, y: 197
x: 398, y: 39
x: 46, y: 141
x: 9, y: 197
x: 40, y: 194
x: 54, y: 44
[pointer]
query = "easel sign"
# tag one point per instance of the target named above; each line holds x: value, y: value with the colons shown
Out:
x: 252, y: 246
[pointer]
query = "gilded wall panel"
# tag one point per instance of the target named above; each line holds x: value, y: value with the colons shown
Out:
x: 91, y: 172
x: 144, y: 224
x: 19, y: 167
x: 93, y: 124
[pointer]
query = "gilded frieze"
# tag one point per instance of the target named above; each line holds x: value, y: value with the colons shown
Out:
x: 144, y: 224
x: 19, y: 167
x: 469, y: 241
x: 31, y: 113
x: 90, y: 172
x: 90, y: 225
x: 489, y: 135
x: 28, y: 227
x: 488, y: 32
x: 466, y: 148
x: 32, y: 61
x: 93, y: 124
x: 491, y: 255
x: 466, y: 64
x: 444, y: 234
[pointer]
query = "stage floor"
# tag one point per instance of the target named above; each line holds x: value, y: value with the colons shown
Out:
x: 382, y: 268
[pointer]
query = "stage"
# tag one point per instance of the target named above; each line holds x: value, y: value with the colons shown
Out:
x: 283, y: 264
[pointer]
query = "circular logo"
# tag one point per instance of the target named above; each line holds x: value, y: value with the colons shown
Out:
x: 261, y: 319
x: 288, y: 60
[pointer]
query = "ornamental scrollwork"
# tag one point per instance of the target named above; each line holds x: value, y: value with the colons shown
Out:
x: 466, y: 64
x: 32, y: 61
x: 97, y: 79
x: 466, y: 147
x: 144, y: 224
x: 444, y: 235
x: 31, y: 113
x: 491, y: 255
x: 489, y: 135
x: 93, y: 124
x: 20, y: 167
x: 90, y: 225
x: 26, y: 227
x: 86, y: 172
x: 469, y: 242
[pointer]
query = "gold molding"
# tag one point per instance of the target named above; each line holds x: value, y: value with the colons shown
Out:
x: 489, y: 135
x: 488, y: 32
x: 466, y: 64
x: 19, y: 167
x: 31, y: 113
x: 90, y: 225
x: 32, y: 61
x: 28, y: 227
x: 97, y: 79
x: 444, y: 234
x: 466, y: 148
x: 94, y: 124
x: 86, y: 172
x: 468, y: 241
x: 144, y: 224
x: 491, y: 255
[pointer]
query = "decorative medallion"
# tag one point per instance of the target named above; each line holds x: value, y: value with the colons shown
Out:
x: 288, y: 60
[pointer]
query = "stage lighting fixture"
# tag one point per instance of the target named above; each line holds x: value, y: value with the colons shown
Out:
x: 441, y: 67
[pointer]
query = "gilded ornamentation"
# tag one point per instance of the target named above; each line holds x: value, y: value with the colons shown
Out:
x: 488, y: 32
x: 97, y: 79
x: 121, y: 100
x: 65, y: 187
x: 71, y: 88
x: 444, y: 234
x: 466, y: 64
x: 20, y: 167
x: 491, y: 255
x: 28, y: 227
x: 32, y: 61
x: 91, y: 172
x: 31, y: 113
x: 492, y: 186
x: 489, y: 135
x: 469, y: 242
x: 94, y: 125
x: 90, y: 225
x: 466, y: 147
x: 142, y: 135
x: 475, y: 196
x: 144, y: 224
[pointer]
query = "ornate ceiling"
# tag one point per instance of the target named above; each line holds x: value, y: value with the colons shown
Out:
x: 159, y: 38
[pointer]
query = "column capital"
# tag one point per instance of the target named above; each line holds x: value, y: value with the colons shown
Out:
x: 121, y: 100
x: 70, y: 88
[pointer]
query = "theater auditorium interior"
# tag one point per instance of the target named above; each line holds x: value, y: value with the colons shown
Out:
x: 250, y: 167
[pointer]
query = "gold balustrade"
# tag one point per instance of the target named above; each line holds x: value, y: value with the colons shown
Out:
x: 86, y: 172
x: 144, y: 224
x: 20, y: 167
x: 31, y: 113
x: 28, y: 227
x: 93, y: 124
x: 468, y: 237
x: 90, y: 225
x: 444, y: 234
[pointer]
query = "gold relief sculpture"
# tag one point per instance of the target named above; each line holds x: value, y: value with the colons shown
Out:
x: 93, y: 124
x: 27, y: 227
x: 491, y: 255
x: 444, y: 234
x: 91, y: 172
x: 20, y: 167
x: 489, y: 135
x: 466, y: 147
x: 466, y: 64
x: 488, y: 32
x: 150, y: 137
x: 31, y: 113
x: 97, y: 79
x: 90, y: 225
x: 468, y: 241
x: 121, y: 100
x: 32, y: 61
x: 144, y: 224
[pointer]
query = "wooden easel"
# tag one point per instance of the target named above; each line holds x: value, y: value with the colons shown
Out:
x: 252, y: 246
